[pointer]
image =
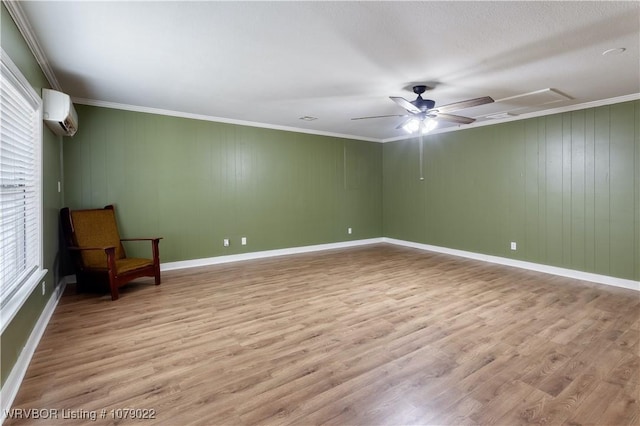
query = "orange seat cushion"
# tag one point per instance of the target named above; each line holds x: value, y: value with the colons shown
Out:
x: 131, y: 264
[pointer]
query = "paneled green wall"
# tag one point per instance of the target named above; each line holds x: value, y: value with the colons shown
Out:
x: 16, y: 334
x: 565, y: 187
x: 196, y: 182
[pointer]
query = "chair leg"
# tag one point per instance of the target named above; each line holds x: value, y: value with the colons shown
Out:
x: 114, y: 290
x: 111, y: 263
x: 156, y: 259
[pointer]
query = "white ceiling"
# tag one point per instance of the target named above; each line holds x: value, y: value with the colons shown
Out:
x: 274, y: 62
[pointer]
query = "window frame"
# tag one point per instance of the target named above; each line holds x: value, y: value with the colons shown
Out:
x: 11, y: 306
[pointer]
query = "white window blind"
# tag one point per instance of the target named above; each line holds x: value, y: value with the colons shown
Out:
x: 20, y: 189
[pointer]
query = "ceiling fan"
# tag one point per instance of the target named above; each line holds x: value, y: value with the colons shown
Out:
x: 423, y: 115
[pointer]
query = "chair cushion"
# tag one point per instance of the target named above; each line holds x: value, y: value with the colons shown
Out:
x: 96, y: 228
x: 132, y: 263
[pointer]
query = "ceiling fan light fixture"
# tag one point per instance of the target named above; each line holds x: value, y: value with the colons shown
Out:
x: 423, y: 126
x: 412, y: 126
x: 428, y: 125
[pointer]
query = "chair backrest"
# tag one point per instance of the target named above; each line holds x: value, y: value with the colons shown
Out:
x: 96, y: 228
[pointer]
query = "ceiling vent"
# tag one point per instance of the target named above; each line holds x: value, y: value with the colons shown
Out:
x: 520, y: 104
x: 501, y: 115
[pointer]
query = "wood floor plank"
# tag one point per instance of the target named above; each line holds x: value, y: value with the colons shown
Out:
x: 606, y: 405
x: 378, y: 335
x: 629, y: 340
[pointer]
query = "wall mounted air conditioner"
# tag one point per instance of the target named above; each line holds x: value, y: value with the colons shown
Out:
x: 59, y: 114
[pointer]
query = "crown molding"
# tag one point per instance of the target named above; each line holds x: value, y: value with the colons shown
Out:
x: 149, y: 110
x: 25, y: 28
x: 160, y: 111
x: 559, y: 110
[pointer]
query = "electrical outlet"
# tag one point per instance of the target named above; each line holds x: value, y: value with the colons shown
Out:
x: 514, y: 245
x: 225, y: 242
x: 349, y: 231
x: 44, y: 288
x: 243, y: 241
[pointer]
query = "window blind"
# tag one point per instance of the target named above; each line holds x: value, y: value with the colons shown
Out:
x: 20, y: 187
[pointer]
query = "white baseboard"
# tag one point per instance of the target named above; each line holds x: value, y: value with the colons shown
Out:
x: 169, y: 266
x: 554, y: 270
x: 12, y: 384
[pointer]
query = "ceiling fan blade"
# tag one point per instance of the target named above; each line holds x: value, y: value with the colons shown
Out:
x: 401, y: 125
x: 405, y: 104
x: 454, y: 118
x: 465, y: 104
x: 379, y: 116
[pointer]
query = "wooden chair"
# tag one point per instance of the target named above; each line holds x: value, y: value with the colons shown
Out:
x: 96, y: 249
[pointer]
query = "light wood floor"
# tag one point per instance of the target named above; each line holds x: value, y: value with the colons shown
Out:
x: 378, y: 335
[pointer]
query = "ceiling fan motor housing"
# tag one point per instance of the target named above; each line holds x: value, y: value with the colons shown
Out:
x: 423, y: 104
x: 420, y: 89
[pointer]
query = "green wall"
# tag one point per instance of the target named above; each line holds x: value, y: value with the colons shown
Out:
x: 16, y: 334
x: 196, y: 182
x: 565, y: 187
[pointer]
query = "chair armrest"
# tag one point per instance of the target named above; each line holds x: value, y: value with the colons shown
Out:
x: 154, y: 247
